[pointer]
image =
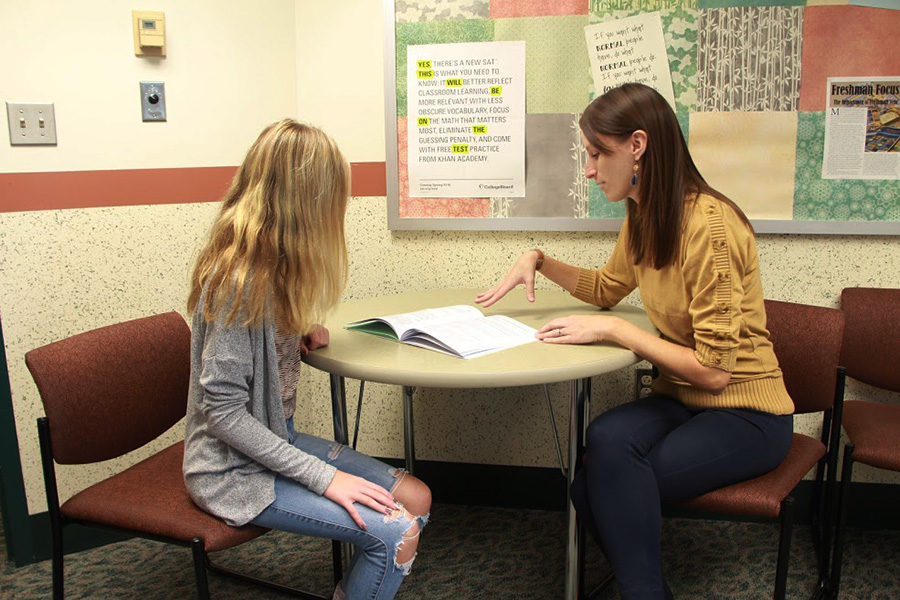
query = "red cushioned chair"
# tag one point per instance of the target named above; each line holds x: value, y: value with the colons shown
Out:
x: 807, y: 342
x: 871, y: 354
x: 107, y: 392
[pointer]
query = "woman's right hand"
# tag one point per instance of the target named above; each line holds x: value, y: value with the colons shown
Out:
x: 346, y: 489
x: 522, y: 272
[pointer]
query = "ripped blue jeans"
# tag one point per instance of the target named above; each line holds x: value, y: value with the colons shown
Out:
x: 374, y: 572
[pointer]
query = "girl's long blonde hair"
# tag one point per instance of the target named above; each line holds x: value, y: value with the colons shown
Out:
x: 277, y: 246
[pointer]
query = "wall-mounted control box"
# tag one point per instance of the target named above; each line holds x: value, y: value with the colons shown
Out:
x: 153, y: 101
x: 31, y: 124
x: 149, y: 32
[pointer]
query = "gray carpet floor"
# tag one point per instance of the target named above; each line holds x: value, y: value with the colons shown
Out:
x: 479, y: 553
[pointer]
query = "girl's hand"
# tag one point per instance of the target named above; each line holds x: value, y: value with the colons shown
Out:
x: 522, y: 272
x: 346, y: 489
x: 579, y: 329
x: 317, y: 337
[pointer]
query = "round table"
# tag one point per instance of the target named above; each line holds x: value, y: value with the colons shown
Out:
x: 368, y: 357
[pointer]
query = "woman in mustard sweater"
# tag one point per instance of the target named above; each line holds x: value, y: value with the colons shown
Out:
x: 719, y: 412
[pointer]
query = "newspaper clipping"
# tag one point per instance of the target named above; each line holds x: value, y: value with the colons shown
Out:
x: 862, y: 128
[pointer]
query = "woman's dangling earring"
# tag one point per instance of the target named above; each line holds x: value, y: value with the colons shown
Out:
x: 635, y: 168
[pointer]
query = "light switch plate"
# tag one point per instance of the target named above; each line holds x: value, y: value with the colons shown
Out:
x: 31, y: 124
x: 153, y: 101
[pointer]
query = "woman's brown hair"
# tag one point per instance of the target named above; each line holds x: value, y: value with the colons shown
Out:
x: 668, y: 176
x: 277, y: 246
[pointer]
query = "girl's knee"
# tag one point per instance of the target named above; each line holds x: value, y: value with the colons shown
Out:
x: 412, y: 493
x: 415, y: 500
x: 400, y: 535
x: 409, y: 544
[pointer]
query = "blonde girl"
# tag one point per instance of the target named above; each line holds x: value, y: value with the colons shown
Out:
x: 274, y: 264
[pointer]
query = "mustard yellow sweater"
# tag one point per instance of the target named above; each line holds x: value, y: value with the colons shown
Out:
x: 709, y: 300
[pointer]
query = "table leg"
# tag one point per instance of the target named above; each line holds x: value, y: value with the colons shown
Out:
x: 579, y: 411
x: 342, y: 436
x: 339, y: 409
x: 409, y: 442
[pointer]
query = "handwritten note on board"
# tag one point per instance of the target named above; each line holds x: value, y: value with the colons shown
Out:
x: 629, y: 50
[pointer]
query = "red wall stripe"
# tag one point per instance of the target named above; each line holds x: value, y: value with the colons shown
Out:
x: 21, y: 192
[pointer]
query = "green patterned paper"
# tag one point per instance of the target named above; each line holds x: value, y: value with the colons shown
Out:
x: 680, y: 31
x: 411, y: 11
x: 437, y: 32
x: 601, y: 208
x: 817, y: 199
x: 557, y: 71
x: 684, y: 122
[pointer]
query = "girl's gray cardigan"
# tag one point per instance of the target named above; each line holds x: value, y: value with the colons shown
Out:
x: 236, y: 436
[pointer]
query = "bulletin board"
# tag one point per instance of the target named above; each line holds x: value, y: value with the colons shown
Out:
x: 749, y: 79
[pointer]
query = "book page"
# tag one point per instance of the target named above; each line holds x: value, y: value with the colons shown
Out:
x: 471, y: 338
x: 404, y: 322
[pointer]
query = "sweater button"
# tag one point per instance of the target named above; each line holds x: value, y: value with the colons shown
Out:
x: 723, y: 308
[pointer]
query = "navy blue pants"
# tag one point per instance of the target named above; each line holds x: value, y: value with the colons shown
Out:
x: 656, y: 451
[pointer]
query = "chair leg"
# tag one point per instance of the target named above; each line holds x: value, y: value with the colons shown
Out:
x: 820, y: 509
x: 200, y: 563
x: 817, y: 511
x: 336, y: 561
x: 57, y: 521
x: 579, y: 558
x: 58, y: 565
x: 784, y: 547
x: 841, y: 520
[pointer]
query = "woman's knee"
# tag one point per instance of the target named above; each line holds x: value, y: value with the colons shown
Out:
x: 605, y: 441
x: 413, y: 494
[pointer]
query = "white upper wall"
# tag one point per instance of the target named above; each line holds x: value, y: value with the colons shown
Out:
x: 230, y: 69
x: 340, y: 73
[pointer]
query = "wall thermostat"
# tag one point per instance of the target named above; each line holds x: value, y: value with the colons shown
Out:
x: 149, y: 32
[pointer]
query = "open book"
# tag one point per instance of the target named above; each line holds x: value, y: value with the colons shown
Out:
x: 458, y: 330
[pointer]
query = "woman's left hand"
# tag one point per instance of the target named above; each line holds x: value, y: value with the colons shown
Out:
x: 316, y: 338
x: 579, y: 329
